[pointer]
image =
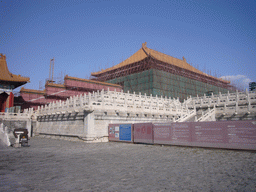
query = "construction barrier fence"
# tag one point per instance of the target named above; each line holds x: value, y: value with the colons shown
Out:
x: 214, y: 134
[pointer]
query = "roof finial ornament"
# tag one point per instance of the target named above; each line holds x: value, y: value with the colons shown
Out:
x: 144, y: 44
x: 2, y: 56
x: 184, y: 59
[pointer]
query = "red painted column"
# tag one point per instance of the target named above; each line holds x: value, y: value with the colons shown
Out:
x: 3, y: 99
x: 11, y: 100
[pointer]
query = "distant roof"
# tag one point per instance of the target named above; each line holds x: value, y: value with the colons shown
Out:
x: 5, y: 74
x: 144, y: 52
x: 23, y: 90
x: 50, y: 84
x: 92, y: 81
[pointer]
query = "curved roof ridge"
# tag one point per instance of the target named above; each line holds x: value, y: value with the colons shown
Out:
x: 137, y: 56
x: 146, y: 52
x: 173, y: 60
x: 24, y: 90
x: 178, y: 62
x: 6, y: 75
x: 51, y: 84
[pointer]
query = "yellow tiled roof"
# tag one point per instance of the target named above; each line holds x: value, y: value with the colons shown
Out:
x: 144, y: 52
x: 138, y: 56
x: 49, y: 84
x: 23, y: 90
x: 5, y: 74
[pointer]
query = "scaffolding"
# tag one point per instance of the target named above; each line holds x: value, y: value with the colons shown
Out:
x: 156, y: 76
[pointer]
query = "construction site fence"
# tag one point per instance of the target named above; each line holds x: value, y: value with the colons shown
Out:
x: 221, y: 134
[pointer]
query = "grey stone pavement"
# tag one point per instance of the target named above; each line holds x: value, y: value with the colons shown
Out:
x: 59, y: 165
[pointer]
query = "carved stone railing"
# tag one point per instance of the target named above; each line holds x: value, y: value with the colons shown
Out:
x: 17, y: 116
x: 235, y: 103
x: 190, y: 114
x: 117, y: 102
x: 209, y: 116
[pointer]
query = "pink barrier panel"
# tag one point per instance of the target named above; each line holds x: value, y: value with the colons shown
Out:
x: 225, y: 134
x: 172, y: 133
x: 143, y: 133
x: 209, y: 134
x: 221, y: 134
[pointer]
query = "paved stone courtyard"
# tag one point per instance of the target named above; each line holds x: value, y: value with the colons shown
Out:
x: 59, y: 165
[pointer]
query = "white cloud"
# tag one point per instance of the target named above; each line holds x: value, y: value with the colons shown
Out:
x: 240, y: 81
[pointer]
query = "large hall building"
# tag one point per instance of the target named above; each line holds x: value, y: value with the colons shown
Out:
x: 152, y: 72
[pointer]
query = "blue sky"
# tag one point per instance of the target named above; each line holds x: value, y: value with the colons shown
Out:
x: 84, y: 36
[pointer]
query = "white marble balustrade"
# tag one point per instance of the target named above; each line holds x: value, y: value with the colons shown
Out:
x: 27, y: 113
x: 116, y: 101
x: 238, y: 102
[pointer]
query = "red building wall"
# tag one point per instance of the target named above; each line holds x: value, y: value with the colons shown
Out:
x: 55, y: 92
x: 92, y: 85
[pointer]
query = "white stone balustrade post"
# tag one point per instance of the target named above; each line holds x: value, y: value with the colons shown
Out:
x: 81, y: 101
x: 237, y: 108
x: 50, y: 107
x: 39, y: 110
x: 46, y: 107
x: 249, y: 107
x: 248, y: 97
x: 85, y: 98
x: 89, y: 99
x: 102, y: 94
x: 67, y: 104
x: 74, y: 105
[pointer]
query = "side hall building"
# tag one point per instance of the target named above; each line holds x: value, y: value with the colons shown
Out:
x: 53, y: 92
x: 8, y: 82
x: 152, y: 72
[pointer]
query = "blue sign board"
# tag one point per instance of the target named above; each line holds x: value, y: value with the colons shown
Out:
x: 125, y: 132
